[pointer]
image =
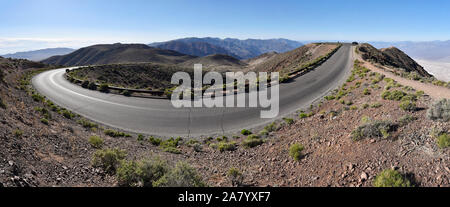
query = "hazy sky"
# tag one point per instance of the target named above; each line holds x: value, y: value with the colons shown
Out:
x: 36, y: 24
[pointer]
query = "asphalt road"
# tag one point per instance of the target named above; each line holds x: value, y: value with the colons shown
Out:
x: 159, y: 117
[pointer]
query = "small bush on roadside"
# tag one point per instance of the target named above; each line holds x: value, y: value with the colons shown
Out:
x: 288, y: 121
x: 295, y: 151
x: 96, y: 142
x: 252, y: 141
x: 44, y: 121
x: 104, y: 88
x: 67, y: 114
x: 108, y: 159
x: 303, y: 115
x: 155, y: 141
x: 85, y: 84
x: 113, y: 133
x: 87, y: 124
x: 440, y: 110
x: 38, y: 98
x: 271, y: 127
x: 226, y: 146
x: 391, y: 178
x: 246, y: 132
x: 140, y: 137
x: 92, y: 86
x: 126, y: 93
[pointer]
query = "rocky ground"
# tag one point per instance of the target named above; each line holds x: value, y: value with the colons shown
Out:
x: 59, y: 154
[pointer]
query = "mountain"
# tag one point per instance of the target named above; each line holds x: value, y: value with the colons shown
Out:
x: 38, y: 55
x: 195, y: 48
x: 392, y: 57
x: 431, y: 50
x: 118, y: 53
x: 244, y: 49
x: 216, y: 61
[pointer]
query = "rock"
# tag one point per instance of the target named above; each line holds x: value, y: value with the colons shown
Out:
x: 11, y: 163
x: 364, y: 176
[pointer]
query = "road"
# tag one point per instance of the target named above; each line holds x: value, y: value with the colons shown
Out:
x: 159, y: 117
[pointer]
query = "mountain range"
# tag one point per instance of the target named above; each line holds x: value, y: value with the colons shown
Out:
x: 38, y: 55
x: 118, y: 53
x: 241, y: 49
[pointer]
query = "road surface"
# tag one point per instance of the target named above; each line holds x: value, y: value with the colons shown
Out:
x: 159, y: 117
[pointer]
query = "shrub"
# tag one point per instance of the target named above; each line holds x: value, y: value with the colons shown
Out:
x: 443, y: 141
x: 391, y: 178
x: 405, y: 120
x: 226, y: 146
x: 376, y: 105
x: 140, y: 137
x: 92, y: 86
x: 127, y: 174
x: 288, y: 121
x: 440, y: 110
x: 108, y: 159
x: 18, y: 133
x: 171, y: 145
x: 303, y: 115
x: 183, y: 175
x: 366, y: 91
x: 151, y: 170
x: 44, y: 121
x: 104, y: 88
x: 2, y: 104
x: 246, y: 132
x: 113, y: 133
x: 236, y: 178
x: 394, y: 95
x: 329, y: 98
x: 96, y: 142
x: 252, y: 141
x: 66, y: 113
x: 295, y: 151
x: 38, y: 98
x: 377, y: 129
x: 126, y: 93
x: 155, y: 141
x: 271, y: 127
x: 87, y: 124
x: 408, y: 105
x: 85, y: 84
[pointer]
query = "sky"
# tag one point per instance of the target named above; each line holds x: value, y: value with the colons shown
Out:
x: 36, y: 24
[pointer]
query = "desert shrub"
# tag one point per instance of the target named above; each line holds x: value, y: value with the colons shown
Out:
x: 271, y: 127
x: 18, y: 133
x: 126, y: 93
x: 226, y: 146
x: 303, y: 115
x: 67, y: 114
x: 408, y: 105
x: 85, y: 84
x: 37, y: 97
x: 87, y: 124
x: 222, y: 139
x: 44, y: 112
x: 127, y: 174
x: 376, y: 105
x: 155, y: 141
x: 246, y: 132
x: 96, y: 142
x: 353, y: 108
x: 104, y: 88
x: 252, y: 141
x: 264, y: 132
x: 44, y: 121
x: 183, y: 175
x: 197, y: 147
x: 405, y: 120
x: 140, y: 137
x: 443, y: 140
x: 394, y: 95
x: 108, y: 159
x: 391, y: 178
x: 440, y: 110
x: 288, y: 121
x: 295, y: 151
x: 113, y: 133
x: 235, y: 176
x: 92, y: 86
x: 2, y: 104
x: 365, y: 106
x: 171, y: 145
x: 366, y: 91
x: 329, y: 98
x: 151, y: 170
x: 376, y: 129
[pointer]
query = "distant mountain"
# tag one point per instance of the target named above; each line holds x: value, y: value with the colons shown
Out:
x: 195, y: 48
x: 243, y: 49
x: 217, y: 60
x: 393, y: 57
x: 432, y: 50
x: 118, y: 53
x: 38, y: 55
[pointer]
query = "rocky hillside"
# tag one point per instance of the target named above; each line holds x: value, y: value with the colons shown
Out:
x: 117, y: 53
x: 391, y: 57
x: 216, y: 62
x: 291, y: 60
x: 244, y: 49
x: 199, y: 49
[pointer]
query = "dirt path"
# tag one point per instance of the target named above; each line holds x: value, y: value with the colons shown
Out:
x: 435, y: 92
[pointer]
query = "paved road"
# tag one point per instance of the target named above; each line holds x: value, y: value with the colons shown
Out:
x: 158, y: 117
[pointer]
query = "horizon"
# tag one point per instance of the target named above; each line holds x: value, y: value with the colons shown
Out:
x: 75, y: 24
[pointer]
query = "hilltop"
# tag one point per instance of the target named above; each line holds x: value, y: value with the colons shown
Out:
x: 117, y: 53
x: 392, y: 57
x: 217, y: 62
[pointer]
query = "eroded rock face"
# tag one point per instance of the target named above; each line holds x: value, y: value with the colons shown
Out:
x: 391, y: 57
